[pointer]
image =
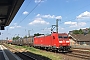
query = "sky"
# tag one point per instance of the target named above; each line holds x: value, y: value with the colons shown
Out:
x: 38, y: 16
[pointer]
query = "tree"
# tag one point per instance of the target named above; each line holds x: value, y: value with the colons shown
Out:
x: 89, y: 30
x: 25, y: 37
x: 16, y: 38
x: 75, y: 32
x: 80, y: 31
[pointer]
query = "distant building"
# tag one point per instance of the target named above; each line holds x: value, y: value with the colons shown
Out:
x: 79, y: 39
x: 70, y: 32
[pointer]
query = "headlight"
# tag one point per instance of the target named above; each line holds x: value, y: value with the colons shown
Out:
x: 60, y: 41
x: 67, y: 41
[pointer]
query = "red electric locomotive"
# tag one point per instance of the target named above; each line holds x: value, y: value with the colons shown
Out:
x: 55, y: 41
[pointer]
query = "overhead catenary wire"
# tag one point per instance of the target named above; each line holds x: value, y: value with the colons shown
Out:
x: 29, y: 13
x: 24, y: 10
x: 32, y: 10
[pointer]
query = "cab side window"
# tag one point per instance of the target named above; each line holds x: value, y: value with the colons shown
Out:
x: 60, y: 37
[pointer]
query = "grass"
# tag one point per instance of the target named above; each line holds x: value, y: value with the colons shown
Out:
x: 52, y: 56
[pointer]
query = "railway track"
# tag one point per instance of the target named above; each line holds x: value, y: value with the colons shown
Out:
x: 85, y: 51
x: 78, y: 55
x: 22, y: 55
x: 83, y: 54
x: 25, y: 55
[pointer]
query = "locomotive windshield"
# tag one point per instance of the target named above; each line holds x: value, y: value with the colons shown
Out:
x: 62, y: 36
x: 65, y: 36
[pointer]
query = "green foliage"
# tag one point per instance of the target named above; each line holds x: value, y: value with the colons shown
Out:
x: 80, y: 31
x: 30, y: 48
x: 75, y: 32
x: 89, y: 30
x: 50, y: 55
x: 16, y: 38
x: 25, y: 37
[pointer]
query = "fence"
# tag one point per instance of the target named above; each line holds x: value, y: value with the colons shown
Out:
x: 81, y: 46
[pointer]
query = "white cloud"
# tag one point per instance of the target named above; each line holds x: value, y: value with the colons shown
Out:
x: 75, y: 24
x: 81, y: 24
x: 62, y: 28
x: 18, y: 26
x: 37, y: 1
x: 49, y: 16
x: 84, y: 15
x: 25, y: 12
x: 38, y: 21
x: 12, y: 27
x: 71, y: 23
x: 58, y: 17
x: 15, y: 26
x: 38, y: 15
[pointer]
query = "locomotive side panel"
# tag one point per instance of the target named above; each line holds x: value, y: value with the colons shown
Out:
x: 55, y: 41
x: 48, y: 41
x: 41, y: 40
x: 36, y: 41
x: 44, y: 41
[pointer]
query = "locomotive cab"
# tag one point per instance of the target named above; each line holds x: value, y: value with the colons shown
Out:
x: 61, y: 42
x: 64, y: 42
